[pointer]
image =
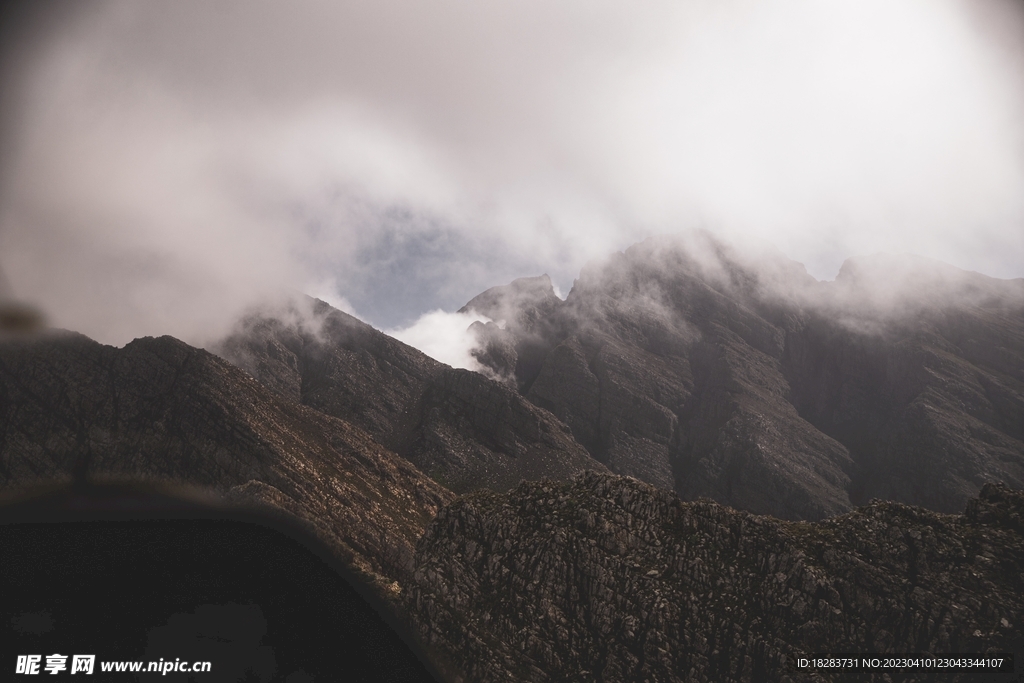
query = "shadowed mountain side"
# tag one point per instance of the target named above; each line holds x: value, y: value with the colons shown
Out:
x: 917, y: 367
x: 159, y: 409
x: 464, y: 430
x: 609, y: 579
x: 664, y: 373
x: 732, y: 374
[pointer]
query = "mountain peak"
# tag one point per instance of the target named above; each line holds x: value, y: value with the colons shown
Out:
x: 508, y: 302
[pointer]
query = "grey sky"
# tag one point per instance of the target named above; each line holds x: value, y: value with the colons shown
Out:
x: 167, y: 164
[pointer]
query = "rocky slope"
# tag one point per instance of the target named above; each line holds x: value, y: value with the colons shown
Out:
x: 698, y: 367
x: 160, y: 410
x: 610, y: 579
x: 918, y: 368
x: 689, y: 365
x: 463, y: 429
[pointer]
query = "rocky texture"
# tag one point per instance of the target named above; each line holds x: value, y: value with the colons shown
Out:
x: 609, y: 579
x: 463, y: 429
x: 716, y: 372
x: 161, y: 410
x: 477, y: 433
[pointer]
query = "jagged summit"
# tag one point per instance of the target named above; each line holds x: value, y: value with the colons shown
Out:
x: 518, y: 298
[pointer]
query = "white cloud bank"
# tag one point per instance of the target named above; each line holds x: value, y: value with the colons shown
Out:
x: 170, y: 164
x: 445, y: 337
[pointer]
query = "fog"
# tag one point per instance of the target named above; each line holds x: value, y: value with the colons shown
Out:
x: 166, y: 166
x: 444, y: 336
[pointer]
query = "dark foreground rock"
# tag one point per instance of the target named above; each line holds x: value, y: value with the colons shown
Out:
x: 609, y: 579
x: 160, y: 410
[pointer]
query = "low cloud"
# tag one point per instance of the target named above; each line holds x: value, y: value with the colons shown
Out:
x: 446, y: 337
x: 166, y: 166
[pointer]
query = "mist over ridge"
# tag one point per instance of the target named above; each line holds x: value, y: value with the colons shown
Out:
x: 869, y: 292
x: 165, y: 168
x: 715, y: 369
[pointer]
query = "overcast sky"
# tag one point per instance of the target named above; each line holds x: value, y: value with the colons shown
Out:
x: 163, y: 165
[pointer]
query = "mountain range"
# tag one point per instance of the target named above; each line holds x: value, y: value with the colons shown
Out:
x: 697, y: 465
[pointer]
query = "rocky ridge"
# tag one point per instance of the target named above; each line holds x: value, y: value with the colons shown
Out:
x: 160, y: 410
x: 698, y: 367
x: 689, y: 367
x: 463, y: 429
x: 606, y: 578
